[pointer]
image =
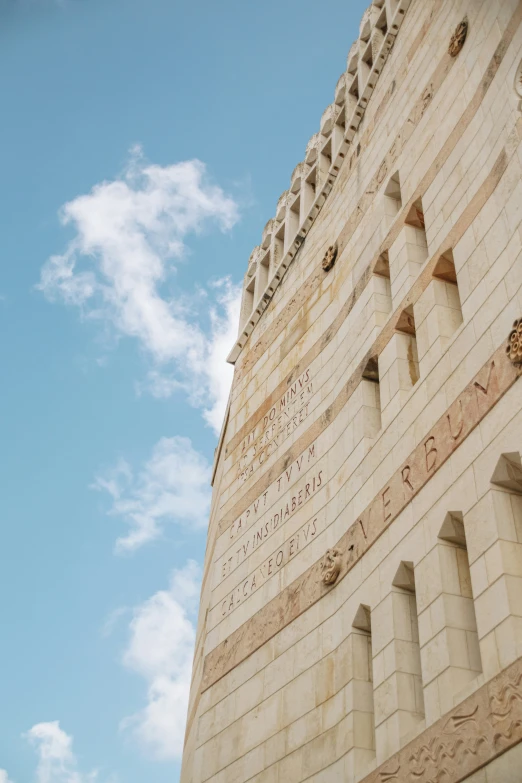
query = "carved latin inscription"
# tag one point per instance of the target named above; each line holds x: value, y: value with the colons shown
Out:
x: 458, y: 39
x: 271, y: 565
x: 474, y: 402
x: 331, y: 566
x: 514, y: 346
x: 269, y: 523
x: 275, y: 427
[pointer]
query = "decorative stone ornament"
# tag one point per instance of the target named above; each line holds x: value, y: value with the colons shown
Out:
x: 514, y: 345
x: 458, y: 39
x: 518, y: 80
x: 329, y: 258
x: 518, y: 84
x: 330, y: 566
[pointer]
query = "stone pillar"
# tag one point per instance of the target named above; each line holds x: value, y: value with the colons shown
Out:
x: 494, y: 535
x: 247, y: 302
x: 398, y: 373
x: 359, y: 721
x: 263, y: 266
x: 292, y: 225
x: 438, y: 315
x: 407, y: 256
x: 307, y: 196
x: 398, y: 696
x: 448, y: 638
x: 366, y: 406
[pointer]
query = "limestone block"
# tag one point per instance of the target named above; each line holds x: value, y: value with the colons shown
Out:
x: 407, y: 255
x: 398, y: 373
x: 437, y: 317
x: 366, y: 406
x: 398, y: 693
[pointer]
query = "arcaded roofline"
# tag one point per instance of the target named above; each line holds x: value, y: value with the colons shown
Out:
x: 313, y: 179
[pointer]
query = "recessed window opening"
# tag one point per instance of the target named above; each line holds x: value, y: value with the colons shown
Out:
x: 371, y: 374
x: 363, y: 655
x: 326, y: 152
x: 392, y: 198
x: 247, y: 304
x: 382, y: 267
x: 463, y: 617
x: 278, y: 249
x: 325, y: 161
x: 410, y: 649
x: 292, y: 222
x: 308, y: 193
x: 451, y: 314
x: 415, y: 216
x: 406, y: 322
x: 382, y: 22
x: 263, y: 269
x: 406, y: 325
x: 367, y: 58
x: 338, y: 132
x: 354, y: 87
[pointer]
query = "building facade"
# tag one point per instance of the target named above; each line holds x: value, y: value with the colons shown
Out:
x: 361, y: 606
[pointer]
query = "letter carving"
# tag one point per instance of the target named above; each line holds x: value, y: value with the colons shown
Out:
x: 330, y: 566
x: 458, y: 39
x: 514, y: 344
x: 329, y: 258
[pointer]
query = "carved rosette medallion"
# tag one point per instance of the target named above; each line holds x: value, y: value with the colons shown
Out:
x: 458, y: 39
x: 330, y: 566
x: 514, y: 343
x: 329, y: 258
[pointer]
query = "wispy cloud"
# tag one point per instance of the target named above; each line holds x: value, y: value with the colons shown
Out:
x: 172, y: 487
x: 56, y: 761
x: 160, y: 649
x: 120, y: 268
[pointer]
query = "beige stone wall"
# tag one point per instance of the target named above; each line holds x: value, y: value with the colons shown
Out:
x: 295, y: 679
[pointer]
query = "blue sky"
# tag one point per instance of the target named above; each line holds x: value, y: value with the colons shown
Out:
x: 144, y: 144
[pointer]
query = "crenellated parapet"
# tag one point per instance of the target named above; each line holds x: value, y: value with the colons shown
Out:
x: 313, y: 178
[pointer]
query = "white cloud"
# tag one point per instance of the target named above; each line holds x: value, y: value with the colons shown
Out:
x: 172, y: 487
x: 56, y: 760
x: 160, y: 649
x: 120, y: 268
x: 4, y: 778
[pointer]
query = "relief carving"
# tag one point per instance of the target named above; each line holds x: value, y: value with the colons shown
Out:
x: 387, y: 775
x: 505, y: 703
x: 330, y: 566
x: 486, y: 724
x: 329, y: 258
x: 514, y: 345
x: 438, y: 759
x: 458, y: 39
x: 518, y: 80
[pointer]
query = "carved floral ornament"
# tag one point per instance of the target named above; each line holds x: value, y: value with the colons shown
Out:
x: 514, y: 343
x: 330, y: 566
x: 329, y: 258
x: 458, y: 39
x: 518, y: 80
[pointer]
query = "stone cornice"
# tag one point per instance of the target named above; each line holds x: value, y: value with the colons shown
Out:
x: 365, y: 90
